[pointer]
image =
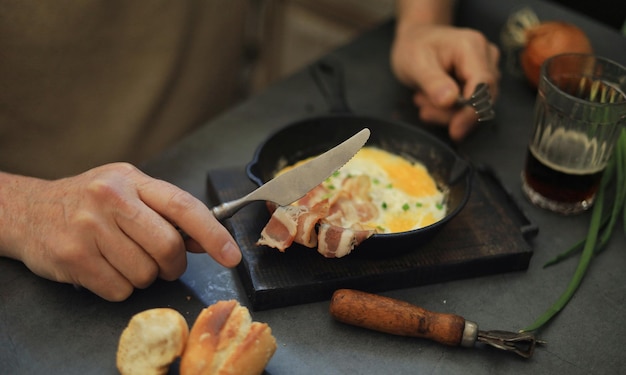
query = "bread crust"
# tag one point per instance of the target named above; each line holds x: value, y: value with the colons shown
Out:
x: 151, y: 341
x: 224, y: 341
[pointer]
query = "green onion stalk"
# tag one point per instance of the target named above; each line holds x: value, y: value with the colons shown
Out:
x: 599, y: 233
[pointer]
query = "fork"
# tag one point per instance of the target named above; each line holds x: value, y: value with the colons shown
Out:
x: 481, y: 101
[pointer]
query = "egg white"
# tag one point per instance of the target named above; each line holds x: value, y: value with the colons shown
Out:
x: 404, y: 192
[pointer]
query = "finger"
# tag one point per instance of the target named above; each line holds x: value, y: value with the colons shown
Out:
x: 156, y: 238
x: 431, y: 113
x: 192, y: 216
x: 128, y: 258
x: 474, y: 66
x: 193, y: 246
x: 462, y: 123
x: 437, y: 84
x: 82, y: 263
x: 100, y: 277
x: 494, y: 86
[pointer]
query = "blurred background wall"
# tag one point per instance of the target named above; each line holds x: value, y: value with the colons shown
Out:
x: 286, y: 35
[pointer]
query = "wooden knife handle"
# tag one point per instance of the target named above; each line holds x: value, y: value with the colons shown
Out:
x: 389, y: 315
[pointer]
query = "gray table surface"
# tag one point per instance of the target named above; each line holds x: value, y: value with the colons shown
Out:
x: 51, y: 328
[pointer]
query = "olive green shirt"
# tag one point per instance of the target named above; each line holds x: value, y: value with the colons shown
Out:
x: 87, y: 82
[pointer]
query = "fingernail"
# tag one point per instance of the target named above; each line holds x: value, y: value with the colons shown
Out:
x: 231, y: 254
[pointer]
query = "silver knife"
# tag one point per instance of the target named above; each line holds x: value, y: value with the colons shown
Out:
x: 294, y: 184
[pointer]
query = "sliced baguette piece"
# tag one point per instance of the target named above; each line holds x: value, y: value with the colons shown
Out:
x: 152, y: 340
x: 224, y: 341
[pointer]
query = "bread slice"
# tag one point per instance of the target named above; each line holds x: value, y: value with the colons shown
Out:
x: 224, y: 341
x: 152, y: 340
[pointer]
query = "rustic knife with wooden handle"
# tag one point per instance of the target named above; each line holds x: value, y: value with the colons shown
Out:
x: 401, y: 318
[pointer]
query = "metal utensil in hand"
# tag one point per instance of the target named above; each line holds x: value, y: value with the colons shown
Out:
x: 295, y: 183
x: 480, y: 101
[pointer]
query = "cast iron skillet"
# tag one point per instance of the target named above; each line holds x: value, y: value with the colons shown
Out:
x: 312, y: 136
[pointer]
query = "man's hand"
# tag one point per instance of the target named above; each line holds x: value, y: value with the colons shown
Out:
x: 432, y: 58
x: 110, y: 229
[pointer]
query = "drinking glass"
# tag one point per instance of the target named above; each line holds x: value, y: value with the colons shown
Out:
x: 579, y: 112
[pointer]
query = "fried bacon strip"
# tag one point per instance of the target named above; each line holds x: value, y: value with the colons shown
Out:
x: 280, y: 230
x: 339, y: 216
x: 305, y: 234
x: 336, y: 242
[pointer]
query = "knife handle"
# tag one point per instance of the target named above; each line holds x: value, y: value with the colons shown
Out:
x: 389, y: 315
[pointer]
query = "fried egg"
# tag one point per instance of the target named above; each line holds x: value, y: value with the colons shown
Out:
x: 404, y: 193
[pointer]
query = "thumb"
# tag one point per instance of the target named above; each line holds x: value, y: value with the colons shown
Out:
x: 441, y: 90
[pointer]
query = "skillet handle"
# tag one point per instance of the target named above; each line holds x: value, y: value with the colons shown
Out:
x: 329, y: 77
x: 461, y: 169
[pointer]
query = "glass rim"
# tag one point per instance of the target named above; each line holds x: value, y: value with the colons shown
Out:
x: 550, y: 82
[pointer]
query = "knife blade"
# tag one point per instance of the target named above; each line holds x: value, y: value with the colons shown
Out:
x: 294, y: 184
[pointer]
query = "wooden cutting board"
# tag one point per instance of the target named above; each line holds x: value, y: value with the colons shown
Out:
x: 488, y: 236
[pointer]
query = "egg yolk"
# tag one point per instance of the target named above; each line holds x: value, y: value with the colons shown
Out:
x: 413, y: 179
x: 404, y: 193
